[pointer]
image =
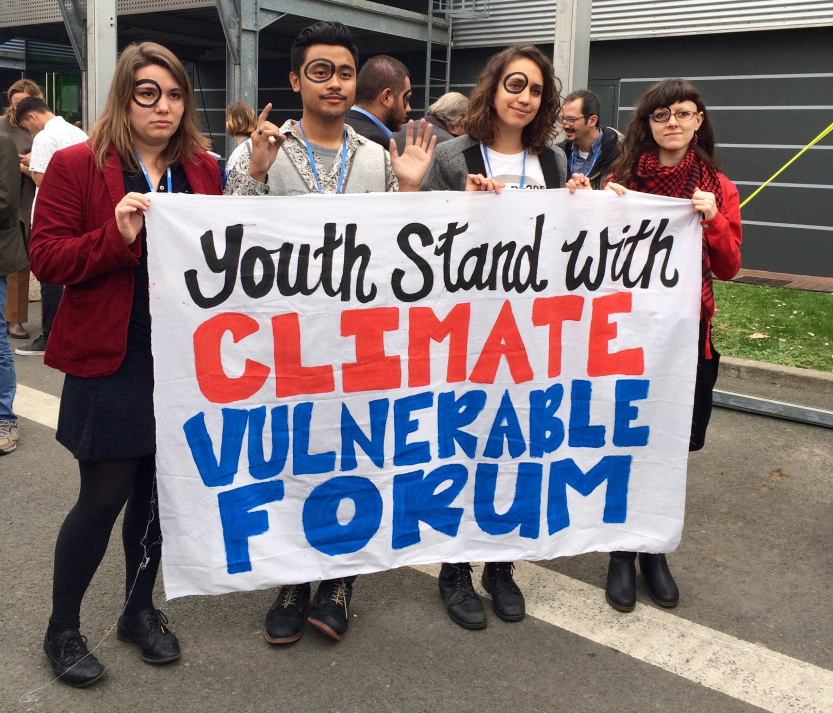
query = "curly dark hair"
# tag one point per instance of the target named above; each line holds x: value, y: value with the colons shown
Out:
x: 480, y: 119
x: 639, y: 138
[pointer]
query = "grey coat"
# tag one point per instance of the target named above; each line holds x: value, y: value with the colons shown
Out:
x: 454, y: 160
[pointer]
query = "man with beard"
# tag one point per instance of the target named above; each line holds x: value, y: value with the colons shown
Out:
x: 590, y: 148
x: 383, y: 96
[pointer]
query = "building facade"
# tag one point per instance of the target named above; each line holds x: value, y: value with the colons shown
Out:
x: 764, y: 68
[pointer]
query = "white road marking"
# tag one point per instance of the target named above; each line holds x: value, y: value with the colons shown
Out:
x: 37, y: 406
x: 749, y: 672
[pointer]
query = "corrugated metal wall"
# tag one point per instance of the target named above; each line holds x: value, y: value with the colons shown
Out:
x: 35, y: 12
x: 512, y: 21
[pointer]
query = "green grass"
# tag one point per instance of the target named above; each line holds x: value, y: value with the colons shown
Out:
x: 798, y: 325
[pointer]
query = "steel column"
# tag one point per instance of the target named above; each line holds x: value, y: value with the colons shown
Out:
x: 571, y: 54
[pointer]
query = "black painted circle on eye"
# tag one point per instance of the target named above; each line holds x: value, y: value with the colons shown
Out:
x: 508, y: 77
x: 321, y: 60
x: 140, y: 82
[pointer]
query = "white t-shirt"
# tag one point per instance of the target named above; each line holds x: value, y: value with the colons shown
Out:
x: 508, y: 168
x: 241, y: 148
x: 57, y: 134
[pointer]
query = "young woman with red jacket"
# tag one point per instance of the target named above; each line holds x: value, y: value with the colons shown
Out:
x: 88, y: 235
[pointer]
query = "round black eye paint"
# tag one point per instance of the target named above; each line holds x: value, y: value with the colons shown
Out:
x: 317, y: 65
x: 515, y: 82
x: 142, y: 83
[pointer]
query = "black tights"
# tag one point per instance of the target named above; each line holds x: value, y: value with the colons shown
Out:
x: 105, y: 488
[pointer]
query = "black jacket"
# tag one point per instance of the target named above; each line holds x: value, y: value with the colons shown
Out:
x: 611, y: 140
x: 365, y: 127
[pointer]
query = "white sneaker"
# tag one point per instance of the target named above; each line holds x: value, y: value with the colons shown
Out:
x: 8, y: 436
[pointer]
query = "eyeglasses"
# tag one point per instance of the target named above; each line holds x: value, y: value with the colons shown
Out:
x: 571, y: 120
x: 663, y: 116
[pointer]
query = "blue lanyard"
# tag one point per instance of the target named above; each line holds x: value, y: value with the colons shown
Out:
x: 312, y: 160
x: 384, y: 129
x: 147, y: 176
x: 491, y: 173
x: 592, y: 161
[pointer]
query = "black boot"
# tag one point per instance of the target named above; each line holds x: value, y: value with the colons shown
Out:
x: 462, y: 602
x: 285, y: 620
x: 71, y: 660
x: 661, y: 585
x: 329, y: 613
x: 148, y: 629
x: 620, y: 591
x: 507, y: 600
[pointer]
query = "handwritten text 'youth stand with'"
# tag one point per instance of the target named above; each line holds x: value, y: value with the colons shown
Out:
x: 346, y: 384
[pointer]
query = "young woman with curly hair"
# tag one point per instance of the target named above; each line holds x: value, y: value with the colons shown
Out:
x: 510, y: 125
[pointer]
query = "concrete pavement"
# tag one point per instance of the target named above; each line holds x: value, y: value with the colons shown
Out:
x: 753, y: 631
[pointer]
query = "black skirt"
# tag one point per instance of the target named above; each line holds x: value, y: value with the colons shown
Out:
x: 111, y: 417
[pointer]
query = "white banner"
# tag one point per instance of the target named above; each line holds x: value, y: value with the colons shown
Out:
x: 347, y: 384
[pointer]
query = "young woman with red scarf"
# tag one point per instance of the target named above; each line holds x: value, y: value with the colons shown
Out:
x: 669, y: 150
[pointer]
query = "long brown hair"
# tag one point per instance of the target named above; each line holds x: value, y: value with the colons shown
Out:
x: 639, y: 138
x: 29, y: 88
x: 113, y: 126
x: 480, y: 119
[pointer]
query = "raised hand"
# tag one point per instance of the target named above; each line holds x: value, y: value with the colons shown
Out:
x: 266, y: 141
x: 411, y: 166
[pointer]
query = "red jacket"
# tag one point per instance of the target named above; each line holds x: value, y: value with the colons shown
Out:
x: 723, y: 233
x: 76, y: 243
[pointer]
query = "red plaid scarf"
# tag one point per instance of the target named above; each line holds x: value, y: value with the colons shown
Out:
x: 680, y: 182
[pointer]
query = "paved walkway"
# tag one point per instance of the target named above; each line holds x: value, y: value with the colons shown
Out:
x: 783, y: 279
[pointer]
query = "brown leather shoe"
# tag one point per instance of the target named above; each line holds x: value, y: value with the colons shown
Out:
x: 16, y: 330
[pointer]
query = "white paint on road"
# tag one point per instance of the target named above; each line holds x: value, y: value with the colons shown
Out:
x: 740, y: 669
x: 37, y: 406
x: 749, y: 672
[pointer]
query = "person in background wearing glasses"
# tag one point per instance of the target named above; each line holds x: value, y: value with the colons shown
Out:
x: 669, y: 150
x: 590, y: 148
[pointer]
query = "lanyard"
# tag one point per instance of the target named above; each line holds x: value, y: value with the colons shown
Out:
x: 384, y: 129
x: 592, y: 158
x: 147, y: 177
x: 312, y: 160
x: 491, y: 173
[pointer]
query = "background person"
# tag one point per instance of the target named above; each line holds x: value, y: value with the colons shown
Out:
x: 511, y: 125
x: 669, y: 150
x: 383, y: 99
x: 17, y: 283
x: 590, y: 148
x: 12, y: 258
x: 445, y: 115
x: 88, y: 234
x: 50, y: 134
x: 240, y: 123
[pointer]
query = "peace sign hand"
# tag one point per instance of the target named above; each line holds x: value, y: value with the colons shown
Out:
x: 266, y: 141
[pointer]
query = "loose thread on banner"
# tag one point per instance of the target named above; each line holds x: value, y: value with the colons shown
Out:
x: 32, y: 696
